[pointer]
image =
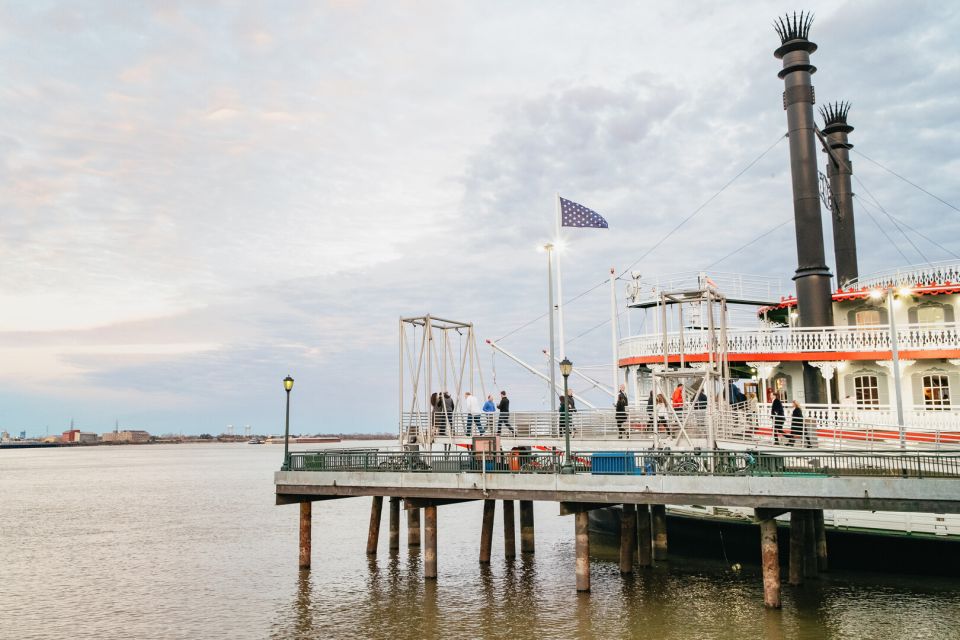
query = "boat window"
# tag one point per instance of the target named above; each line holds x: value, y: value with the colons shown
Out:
x: 936, y: 391
x: 867, y: 317
x: 930, y: 314
x: 867, y: 390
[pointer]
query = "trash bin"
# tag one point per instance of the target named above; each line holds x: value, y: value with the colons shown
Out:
x: 610, y: 463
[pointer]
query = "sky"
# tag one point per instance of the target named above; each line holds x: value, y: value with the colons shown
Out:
x: 201, y: 198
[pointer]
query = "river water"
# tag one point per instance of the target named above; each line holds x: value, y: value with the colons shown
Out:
x: 184, y: 541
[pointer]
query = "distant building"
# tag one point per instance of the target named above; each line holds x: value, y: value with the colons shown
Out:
x: 79, y: 437
x: 128, y: 436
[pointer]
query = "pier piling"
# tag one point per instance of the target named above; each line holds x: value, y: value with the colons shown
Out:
x: 821, y: 534
x: 430, y: 538
x: 797, y: 538
x: 509, y: 531
x: 810, y: 569
x: 526, y: 526
x: 582, y: 520
x: 373, y: 534
x: 413, y: 527
x: 644, y: 538
x: 486, y: 531
x: 628, y: 537
x: 770, y: 553
x: 658, y: 522
x: 306, y: 517
x: 394, y: 524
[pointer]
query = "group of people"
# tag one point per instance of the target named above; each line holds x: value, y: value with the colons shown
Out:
x: 443, y: 406
x: 798, y: 427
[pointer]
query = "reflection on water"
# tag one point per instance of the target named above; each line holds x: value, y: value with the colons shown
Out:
x: 185, y: 542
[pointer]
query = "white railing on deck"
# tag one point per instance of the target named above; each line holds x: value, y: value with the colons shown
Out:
x: 732, y: 285
x: 911, y: 337
x: 936, y: 272
x: 829, y: 428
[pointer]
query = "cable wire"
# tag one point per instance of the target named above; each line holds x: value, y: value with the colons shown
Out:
x: 906, y: 260
x: 911, y: 183
x: 952, y: 253
x: 657, y: 244
x: 742, y: 247
x: 892, y: 221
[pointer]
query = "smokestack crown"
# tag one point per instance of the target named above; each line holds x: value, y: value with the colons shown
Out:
x: 794, y: 32
x: 835, y: 117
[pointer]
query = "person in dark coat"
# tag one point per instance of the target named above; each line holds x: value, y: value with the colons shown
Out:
x: 446, y: 407
x: 436, y: 423
x: 797, y: 430
x: 621, y: 408
x: 776, y: 410
x: 504, y: 409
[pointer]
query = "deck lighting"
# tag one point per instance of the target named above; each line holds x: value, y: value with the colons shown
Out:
x: 287, y: 386
x: 876, y: 294
x: 566, y: 368
x: 905, y: 291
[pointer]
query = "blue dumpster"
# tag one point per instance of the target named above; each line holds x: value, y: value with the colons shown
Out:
x: 614, y: 463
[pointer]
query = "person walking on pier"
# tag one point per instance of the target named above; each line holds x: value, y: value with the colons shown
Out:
x: 621, y: 408
x: 504, y: 409
x: 488, y: 410
x: 437, y: 424
x: 776, y: 410
x: 446, y: 411
x: 798, y: 430
x: 471, y: 406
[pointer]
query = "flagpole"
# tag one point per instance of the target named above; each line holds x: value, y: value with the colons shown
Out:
x: 613, y: 328
x: 563, y: 344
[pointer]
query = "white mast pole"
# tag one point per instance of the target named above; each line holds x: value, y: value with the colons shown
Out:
x: 563, y: 344
x: 613, y: 329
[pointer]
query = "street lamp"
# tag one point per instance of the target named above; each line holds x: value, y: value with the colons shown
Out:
x: 566, y: 368
x: 895, y: 351
x: 287, y: 385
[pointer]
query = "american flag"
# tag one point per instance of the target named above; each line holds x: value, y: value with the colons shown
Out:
x: 577, y: 215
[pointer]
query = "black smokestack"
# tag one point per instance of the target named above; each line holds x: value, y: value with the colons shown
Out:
x: 814, y: 300
x: 840, y: 172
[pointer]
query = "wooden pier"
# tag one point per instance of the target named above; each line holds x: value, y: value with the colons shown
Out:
x: 773, y: 485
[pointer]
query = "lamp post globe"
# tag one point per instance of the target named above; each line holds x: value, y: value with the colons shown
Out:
x: 287, y: 386
x: 566, y: 368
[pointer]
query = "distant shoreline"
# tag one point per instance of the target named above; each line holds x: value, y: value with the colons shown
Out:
x: 331, y: 438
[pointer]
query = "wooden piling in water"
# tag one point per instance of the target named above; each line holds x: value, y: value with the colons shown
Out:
x: 770, y: 554
x: 526, y: 526
x: 582, y: 520
x: 413, y: 527
x: 628, y: 537
x: 797, y: 538
x: 644, y: 537
x: 810, y: 569
x: 821, y: 534
x: 430, y: 540
x: 486, y: 530
x: 306, y: 518
x: 373, y: 533
x: 394, y: 524
x: 509, y: 531
x: 658, y: 521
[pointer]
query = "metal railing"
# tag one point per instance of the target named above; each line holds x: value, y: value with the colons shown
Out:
x: 837, y: 427
x: 646, y: 462
x: 947, y: 271
x: 910, y: 337
x: 586, y: 424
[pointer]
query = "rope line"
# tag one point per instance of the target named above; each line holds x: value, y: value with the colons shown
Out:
x: 892, y: 221
x: 910, y: 182
x: 657, y: 244
x: 919, y: 233
x: 736, y: 251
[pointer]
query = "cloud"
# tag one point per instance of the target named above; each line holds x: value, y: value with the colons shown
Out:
x: 200, y: 199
